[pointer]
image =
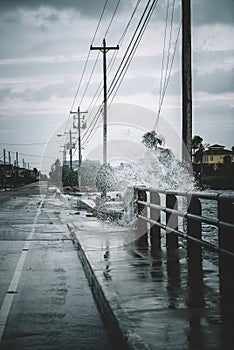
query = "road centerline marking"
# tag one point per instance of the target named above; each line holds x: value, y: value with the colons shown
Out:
x: 9, y: 297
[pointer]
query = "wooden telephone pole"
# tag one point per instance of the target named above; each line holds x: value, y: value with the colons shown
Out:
x: 104, y: 49
x: 79, y: 143
x: 186, y: 82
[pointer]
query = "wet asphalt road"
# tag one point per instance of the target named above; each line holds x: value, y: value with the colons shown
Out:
x: 45, y: 299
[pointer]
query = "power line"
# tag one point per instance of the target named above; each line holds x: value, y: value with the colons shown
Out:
x: 95, y: 120
x: 114, y: 55
x: 163, y: 55
x: 126, y: 65
x: 111, y: 63
x: 133, y: 50
x: 169, y: 75
x: 168, y: 51
x: 128, y: 48
x: 85, y: 66
x: 95, y: 63
x: 94, y: 66
x: 87, y: 59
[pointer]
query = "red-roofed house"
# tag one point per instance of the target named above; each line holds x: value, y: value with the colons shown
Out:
x: 215, y: 154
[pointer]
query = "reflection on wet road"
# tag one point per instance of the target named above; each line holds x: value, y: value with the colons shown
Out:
x: 45, y: 297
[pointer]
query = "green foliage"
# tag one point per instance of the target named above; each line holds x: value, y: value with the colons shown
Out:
x: 197, y: 142
x: 56, y: 173
x: 70, y: 178
x: 220, y: 176
x: 197, y: 148
x: 89, y: 170
x: 151, y: 140
x: 105, y: 179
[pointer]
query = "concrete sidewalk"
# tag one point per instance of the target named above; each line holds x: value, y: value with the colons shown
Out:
x: 150, y: 299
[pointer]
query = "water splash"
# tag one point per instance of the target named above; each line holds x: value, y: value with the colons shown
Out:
x: 159, y: 169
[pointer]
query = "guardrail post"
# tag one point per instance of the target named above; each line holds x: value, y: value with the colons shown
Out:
x: 226, y: 241
x: 194, y: 253
x: 141, y: 223
x: 155, y: 214
x: 226, y: 213
x: 171, y: 221
x: 194, y: 228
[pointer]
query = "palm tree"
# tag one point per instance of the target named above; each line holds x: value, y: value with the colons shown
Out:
x: 152, y: 140
x: 197, y: 143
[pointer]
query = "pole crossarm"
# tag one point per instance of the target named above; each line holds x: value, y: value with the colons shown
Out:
x: 104, y: 48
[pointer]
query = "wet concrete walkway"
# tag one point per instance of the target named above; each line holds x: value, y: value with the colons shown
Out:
x: 151, y: 299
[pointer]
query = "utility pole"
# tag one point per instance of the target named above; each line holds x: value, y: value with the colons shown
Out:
x: 186, y: 82
x: 70, y: 148
x: 9, y: 157
x: 4, y: 156
x: 17, y: 159
x: 64, y: 155
x: 79, y: 143
x: 104, y: 49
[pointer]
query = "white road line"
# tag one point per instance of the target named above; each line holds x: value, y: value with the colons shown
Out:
x: 7, y: 302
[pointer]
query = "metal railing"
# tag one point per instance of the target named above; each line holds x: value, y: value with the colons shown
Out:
x: 151, y: 203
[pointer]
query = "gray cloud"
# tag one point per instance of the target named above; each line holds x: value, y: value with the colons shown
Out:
x: 203, y: 12
x: 88, y: 8
x: 216, y: 82
x: 4, y: 93
x: 40, y: 69
x: 45, y: 93
x: 213, y: 11
x: 214, y: 122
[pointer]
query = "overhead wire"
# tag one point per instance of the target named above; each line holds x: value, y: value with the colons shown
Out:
x: 97, y: 115
x: 85, y: 66
x: 128, y: 48
x: 169, y: 45
x: 163, y: 54
x: 111, y: 63
x: 98, y: 91
x: 168, y: 69
x: 134, y: 48
x: 95, y: 63
x: 87, y: 59
x: 169, y: 75
x: 124, y: 65
x: 114, y: 55
x: 132, y: 52
x: 141, y: 31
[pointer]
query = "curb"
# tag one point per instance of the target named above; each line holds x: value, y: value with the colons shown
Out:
x: 118, y: 325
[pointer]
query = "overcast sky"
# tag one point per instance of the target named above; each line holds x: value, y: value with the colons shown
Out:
x: 44, y: 46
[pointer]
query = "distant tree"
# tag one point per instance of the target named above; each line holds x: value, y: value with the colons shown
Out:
x: 56, y: 173
x: 35, y: 174
x: 197, y: 148
x: 89, y: 170
x: 70, y: 178
x: 197, y: 143
x: 105, y: 179
x: 232, y: 148
x: 151, y: 140
x: 227, y: 160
